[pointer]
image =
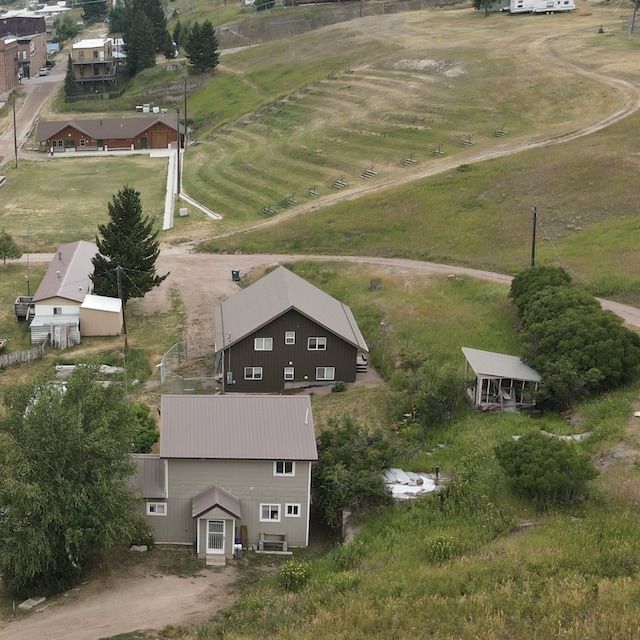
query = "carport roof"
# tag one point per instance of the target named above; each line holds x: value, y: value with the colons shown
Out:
x: 499, y: 365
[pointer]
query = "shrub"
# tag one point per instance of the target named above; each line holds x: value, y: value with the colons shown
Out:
x: 442, y: 548
x: 293, y: 576
x: 546, y: 469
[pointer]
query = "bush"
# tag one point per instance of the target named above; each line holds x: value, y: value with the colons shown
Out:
x: 546, y: 469
x: 442, y: 548
x: 293, y: 576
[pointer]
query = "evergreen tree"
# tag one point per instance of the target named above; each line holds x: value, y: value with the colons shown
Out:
x: 201, y: 47
x: 158, y: 21
x: 177, y: 34
x: 128, y: 250
x: 8, y: 248
x: 65, y: 463
x: 71, y: 86
x: 168, y: 48
x: 94, y: 10
x: 138, y: 44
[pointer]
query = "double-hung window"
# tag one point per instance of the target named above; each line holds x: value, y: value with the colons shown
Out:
x: 284, y: 468
x: 316, y: 344
x: 292, y: 510
x: 269, y: 513
x: 289, y: 337
x: 253, y: 373
x: 325, y: 373
x: 289, y: 373
x: 263, y: 344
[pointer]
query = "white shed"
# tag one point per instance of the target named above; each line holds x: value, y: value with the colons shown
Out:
x: 100, y: 316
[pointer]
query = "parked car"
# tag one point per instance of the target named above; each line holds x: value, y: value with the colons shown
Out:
x: 43, y: 72
x: 50, y: 64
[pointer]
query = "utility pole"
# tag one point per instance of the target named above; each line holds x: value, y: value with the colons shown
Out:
x: 28, y: 270
x: 15, y: 130
x: 186, y: 138
x: 533, y: 236
x: 178, y: 145
x: 124, y: 321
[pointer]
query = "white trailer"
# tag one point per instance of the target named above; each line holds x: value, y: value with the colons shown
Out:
x: 541, y: 6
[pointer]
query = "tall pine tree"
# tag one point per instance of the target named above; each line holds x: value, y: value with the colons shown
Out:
x: 201, y: 47
x: 125, y: 265
x: 71, y: 86
x: 139, y: 44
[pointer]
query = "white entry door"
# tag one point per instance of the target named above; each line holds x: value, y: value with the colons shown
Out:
x: 215, y: 536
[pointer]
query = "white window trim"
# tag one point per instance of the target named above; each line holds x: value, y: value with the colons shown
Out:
x: 289, y: 337
x: 270, y: 506
x: 321, y: 343
x: 151, y: 512
x: 293, y: 505
x: 290, y: 474
x: 253, y: 375
x: 263, y: 344
x: 289, y: 373
x: 325, y: 376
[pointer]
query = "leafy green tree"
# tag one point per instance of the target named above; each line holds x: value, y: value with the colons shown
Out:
x: 201, y: 47
x: 531, y: 281
x: 348, y: 471
x: 93, y: 10
x: 8, y: 248
x: 262, y: 5
x: 66, y: 29
x: 65, y: 463
x: 546, y: 469
x: 139, y: 44
x: 483, y: 5
x: 71, y: 86
x: 145, y: 430
x: 128, y: 250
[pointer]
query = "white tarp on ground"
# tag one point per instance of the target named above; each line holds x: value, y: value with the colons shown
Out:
x: 407, y: 484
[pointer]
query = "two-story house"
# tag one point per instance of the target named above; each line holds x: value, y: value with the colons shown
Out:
x: 283, y: 333
x: 94, y: 66
x: 231, y: 469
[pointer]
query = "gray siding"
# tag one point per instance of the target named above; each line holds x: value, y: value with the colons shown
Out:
x: 252, y: 481
x: 339, y: 354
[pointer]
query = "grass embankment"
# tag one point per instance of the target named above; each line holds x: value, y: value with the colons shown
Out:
x: 482, y: 562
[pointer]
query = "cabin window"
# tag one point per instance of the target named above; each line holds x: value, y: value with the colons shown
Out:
x: 325, y: 373
x: 292, y: 510
x: 289, y: 373
x: 263, y: 344
x: 83, y: 142
x: 284, y: 468
x: 80, y: 54
x: 253, y: 373
x: 156, y: 508
x: 289, y: 337
x: 269, y: 513
x: 57, y: 311
x: 317, y: 344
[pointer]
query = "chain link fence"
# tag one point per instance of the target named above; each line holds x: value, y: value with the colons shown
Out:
x: 189, y: 367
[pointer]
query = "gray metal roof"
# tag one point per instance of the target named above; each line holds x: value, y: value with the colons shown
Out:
x: 150, y: 477
x: 499, y: 365
x: 68, y: 274
x: 237, y: 427
x: 274, y: 295
x: 215, y: 497
x: 104, y: 129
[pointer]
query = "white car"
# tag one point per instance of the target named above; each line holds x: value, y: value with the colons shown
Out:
x: 43, y: 72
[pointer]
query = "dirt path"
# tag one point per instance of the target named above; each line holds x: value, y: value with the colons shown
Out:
x: 127, y: 604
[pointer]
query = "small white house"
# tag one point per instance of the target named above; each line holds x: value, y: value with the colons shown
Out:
x: 541, y: 6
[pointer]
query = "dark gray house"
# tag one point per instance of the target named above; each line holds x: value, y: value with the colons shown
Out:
x: 232, y: 469
x: 284, y: 333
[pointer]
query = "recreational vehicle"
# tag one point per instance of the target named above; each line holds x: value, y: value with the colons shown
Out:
x: 541, y: 6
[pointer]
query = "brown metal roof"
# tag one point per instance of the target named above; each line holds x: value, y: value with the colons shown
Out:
x: 237, y: 427
x: 104, y: 129
x: 150, y: 477
x: 215, y: 497
x: 68, y: 274
x: 275, y: 294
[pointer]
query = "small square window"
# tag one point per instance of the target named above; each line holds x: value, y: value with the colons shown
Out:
x: 292, y: 510
x: 289, y: 373
x: 156, y: 509
x: 263, y: 344
x: 317, y: 344
x: 325, y: 373
x: 284, y: 468
x: 253, y: 373
x: 289, y: 337
x: 269, y: 513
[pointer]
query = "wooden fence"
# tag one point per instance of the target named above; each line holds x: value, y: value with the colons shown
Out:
x: 29, y: 355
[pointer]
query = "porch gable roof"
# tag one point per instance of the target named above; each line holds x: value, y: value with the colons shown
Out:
x: 214, y: 497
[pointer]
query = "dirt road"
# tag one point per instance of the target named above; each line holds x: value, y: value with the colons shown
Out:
x: 127, y: 604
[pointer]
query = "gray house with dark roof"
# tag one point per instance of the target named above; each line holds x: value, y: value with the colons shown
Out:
x: 231, y: 468
x: 284, y: 333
